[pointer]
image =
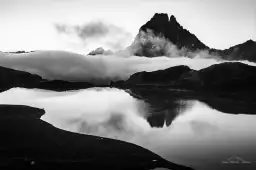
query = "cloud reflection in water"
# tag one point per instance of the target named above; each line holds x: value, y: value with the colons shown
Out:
x: 180, y: 129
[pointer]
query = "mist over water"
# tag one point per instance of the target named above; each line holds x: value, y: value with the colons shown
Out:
x: 99, y: 69
x: 183, y: 131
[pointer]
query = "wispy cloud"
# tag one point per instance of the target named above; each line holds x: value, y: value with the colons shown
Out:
x: 89, y: 30
x: 112, y: 36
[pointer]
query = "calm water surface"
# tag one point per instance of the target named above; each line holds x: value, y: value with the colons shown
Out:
x: 180, y: 128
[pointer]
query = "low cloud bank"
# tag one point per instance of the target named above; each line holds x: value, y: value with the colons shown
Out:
x: 99, y: 69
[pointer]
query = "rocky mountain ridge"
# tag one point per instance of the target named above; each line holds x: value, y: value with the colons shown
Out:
x: 172, y: 33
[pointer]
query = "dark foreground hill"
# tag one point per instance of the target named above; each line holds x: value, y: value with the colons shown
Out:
x: 27, y: 142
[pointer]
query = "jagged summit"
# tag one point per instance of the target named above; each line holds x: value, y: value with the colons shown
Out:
x: 160, y: 17
x: 163, y: 18
x: 250, y: 41
x: 173, y: 18
x: 171, y: 32
x: 160, y: 23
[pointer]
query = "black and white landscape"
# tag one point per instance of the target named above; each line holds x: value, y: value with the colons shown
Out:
x: 145, y: 85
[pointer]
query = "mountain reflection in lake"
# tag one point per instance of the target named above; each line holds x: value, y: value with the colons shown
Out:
x: 178, y: 127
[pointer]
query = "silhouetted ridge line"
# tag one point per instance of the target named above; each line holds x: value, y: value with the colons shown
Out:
x: 10, y: 78
x: 225, y: 77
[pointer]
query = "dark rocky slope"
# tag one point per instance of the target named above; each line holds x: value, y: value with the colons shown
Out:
x: 243, y: 51
x: 229, y: 77
x: 10, y: 78
x: 224, y: 77
x: 159, y: 77
x: 30, y: 143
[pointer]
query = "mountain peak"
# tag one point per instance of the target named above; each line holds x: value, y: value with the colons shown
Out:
x: 172, y: 33
x: 169, y: 29
x: 173, y: 23
x: 173, y: 18
x: 163, y: 17
x: 250, y: 41
x: 160, y: 24
x: 158, y: 19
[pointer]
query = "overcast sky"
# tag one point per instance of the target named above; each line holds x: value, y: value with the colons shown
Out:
x: 82, y: 25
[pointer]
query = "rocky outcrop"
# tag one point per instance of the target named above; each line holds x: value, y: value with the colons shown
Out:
x: 100, y: 51
x: 30, y: 143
